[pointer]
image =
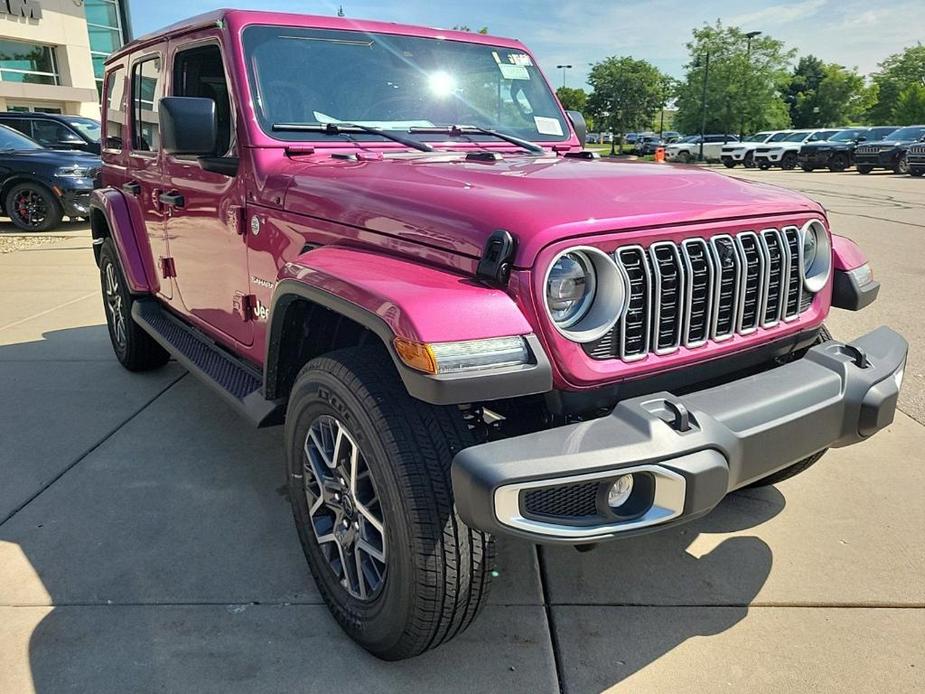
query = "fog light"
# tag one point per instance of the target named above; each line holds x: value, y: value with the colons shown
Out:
x: 620, y: 491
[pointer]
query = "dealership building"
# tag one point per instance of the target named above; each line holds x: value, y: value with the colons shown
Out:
x: 52, y: 53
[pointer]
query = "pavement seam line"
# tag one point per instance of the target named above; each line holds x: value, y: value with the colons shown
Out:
x: 46, y: 312
x: 90, y: 450
x: 550, y: 620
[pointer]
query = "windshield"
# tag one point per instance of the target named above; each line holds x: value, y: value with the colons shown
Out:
x: 847, y: 135
x: 795, y: 137
x: 822, y: 135
x: 689, y: 138
x: 779, y: 137
x: 880, y: 133
x: 87, y: 127
x: 913, y: 132
x: 13, y: 140
x: 757, y: 137
x: 395, y: 83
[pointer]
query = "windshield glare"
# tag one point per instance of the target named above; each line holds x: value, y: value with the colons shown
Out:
x: 846, y: 135
x: 880, y: 133
x: 795, y: 137
x: 87, y: 127
x: 779, y: 137
x: 910, y: 133
x: 395, y: 83
x: 12, y: 140
x: 757, y: 137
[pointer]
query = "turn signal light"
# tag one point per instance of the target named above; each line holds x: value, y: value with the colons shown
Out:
x: 469, y: 355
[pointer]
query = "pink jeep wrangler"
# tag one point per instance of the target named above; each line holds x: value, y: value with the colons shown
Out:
x: 389, y: 239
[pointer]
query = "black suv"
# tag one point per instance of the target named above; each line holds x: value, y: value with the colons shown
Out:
x: 890, y: 152
x: 56, y: 131
x: 38, y: 186
x: 837, y: 153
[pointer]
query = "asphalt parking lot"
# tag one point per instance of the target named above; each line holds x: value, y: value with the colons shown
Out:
x: 146, y: 543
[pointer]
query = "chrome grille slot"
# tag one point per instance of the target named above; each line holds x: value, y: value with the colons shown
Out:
x: 698, y: 267
x: 668, y: 278
x: 635, y: 323
x: 701, y: 289
x: 728, y: 266
x: 776, y: 275
x: 753, y: 281
x: 794, y: 280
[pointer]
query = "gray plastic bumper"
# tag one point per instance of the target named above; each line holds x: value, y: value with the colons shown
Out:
x: 693, y: 449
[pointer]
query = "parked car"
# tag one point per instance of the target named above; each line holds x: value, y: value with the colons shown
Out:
x: 39, y: 186
x: 56, y: 131
x: 744, y: 152
x: 837, y: 153
x: 630, y: 138
x: 890, y: 152
x: 915, y: 157
x: 671, y: 136
x: 647, y: 144
x: 786, y: 152
x: 688, y: 149
x: 469, y: 328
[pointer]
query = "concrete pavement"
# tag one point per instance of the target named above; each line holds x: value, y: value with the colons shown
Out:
x: 146, y: 542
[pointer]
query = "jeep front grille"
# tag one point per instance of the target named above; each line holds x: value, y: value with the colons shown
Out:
x: 689, y: 293
x: 916, y: 155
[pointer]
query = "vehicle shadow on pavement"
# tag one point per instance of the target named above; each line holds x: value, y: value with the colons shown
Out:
x: 623, y: 606
x: 169, y: 556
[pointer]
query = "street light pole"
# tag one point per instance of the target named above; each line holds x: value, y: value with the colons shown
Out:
x: 563, y: 68
x: 748, y: 60
x: 703, y: 103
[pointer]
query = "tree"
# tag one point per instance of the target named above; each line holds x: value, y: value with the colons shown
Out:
x: 463, y: 27
x: 823, y: 95
x: 897, y: 73
x: 626, y: 95
x: 910, y: 106
x: 744, y: 88
x: 572, y: 99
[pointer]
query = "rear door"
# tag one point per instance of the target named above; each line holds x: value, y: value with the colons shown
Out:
x: 205, y: 225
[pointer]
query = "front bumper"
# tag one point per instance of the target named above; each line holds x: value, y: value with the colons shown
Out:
x: 736, y: 156
x: 75, y: 197
x: 885, y: 159
x: 815, y: 158
x: 685, y: 453
x: 773, y: 157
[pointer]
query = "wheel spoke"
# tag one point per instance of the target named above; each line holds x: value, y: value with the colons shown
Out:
x: 370, y: 518
x: 361, y: 576
x: 366, y: 547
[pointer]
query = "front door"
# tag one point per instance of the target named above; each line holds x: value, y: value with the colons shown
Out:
x: 205, y: 226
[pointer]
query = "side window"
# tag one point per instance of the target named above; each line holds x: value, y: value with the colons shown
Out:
x: 200, y: 72
x: 51, y: 133
x: 114, y: 117
x: 147, y: 87
x: 19, y: 124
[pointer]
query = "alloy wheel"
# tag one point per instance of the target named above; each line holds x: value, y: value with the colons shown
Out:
x: 344, y: 508
x: 30, y: 207
x: 115, y: 306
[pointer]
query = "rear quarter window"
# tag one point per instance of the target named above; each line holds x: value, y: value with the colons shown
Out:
x: 114, y: 110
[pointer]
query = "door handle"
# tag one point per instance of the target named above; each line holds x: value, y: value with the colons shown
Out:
x: 172, y: 199
x: 132, y: 188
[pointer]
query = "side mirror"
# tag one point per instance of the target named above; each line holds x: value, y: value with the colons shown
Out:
x: 861, y: 138
x: 188, y: 125
x: 581, y: 127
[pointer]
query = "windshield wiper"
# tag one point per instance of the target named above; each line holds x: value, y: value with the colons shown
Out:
x: 459, y: 130
x: 347, y: 128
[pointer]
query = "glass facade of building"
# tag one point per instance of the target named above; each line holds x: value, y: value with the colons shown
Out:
x: 105, y: 24
x: 27, y: 62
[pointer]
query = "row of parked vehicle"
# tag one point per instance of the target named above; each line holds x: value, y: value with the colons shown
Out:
x: 49, y: 164
x: 898, y: 149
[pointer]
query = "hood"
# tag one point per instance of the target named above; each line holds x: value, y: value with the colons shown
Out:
x: 446, y: 201
x: 830, y: 145
x: 888, y: 143
x: 51, y: 157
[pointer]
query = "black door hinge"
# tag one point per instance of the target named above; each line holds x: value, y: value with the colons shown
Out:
x: 495, y: 264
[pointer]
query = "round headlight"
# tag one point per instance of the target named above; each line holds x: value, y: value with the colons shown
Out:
x: 585, y: 293
x: 817, y: 255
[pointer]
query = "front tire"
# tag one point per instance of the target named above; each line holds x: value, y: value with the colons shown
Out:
x: 427, y: 573
x: 864, y: 170
x: 807, y: 168
x: 684, y: 157
x: 33, y: 207
x: 729, y: 164
x: 839, y: 162
x: 789, y: 161
x: 801, y: 465
x: 764, y: 166
x: 135, y: 349
x: 902, y: 166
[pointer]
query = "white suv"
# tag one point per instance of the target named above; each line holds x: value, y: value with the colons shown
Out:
x: 688, y: 149
x: 744, y: 152
x: 785, y: 152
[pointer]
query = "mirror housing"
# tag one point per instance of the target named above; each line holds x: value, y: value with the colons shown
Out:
x: 581, y: 127
x: 188, y: 125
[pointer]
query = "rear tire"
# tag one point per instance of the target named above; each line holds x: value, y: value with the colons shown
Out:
x: 839, y: 162
x: 807, y: 168
x: 799, y: 466
x: 135, y: 349
x: 729, y: 164
x: 902, y: 166
x: 764, y: 166
x: 684, y: 157
x: 749, y: 161
x: 789, y: 161
x: 33, y: 207
x: 434, y: 570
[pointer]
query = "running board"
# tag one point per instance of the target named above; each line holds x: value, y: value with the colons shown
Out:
x: 240, y: 384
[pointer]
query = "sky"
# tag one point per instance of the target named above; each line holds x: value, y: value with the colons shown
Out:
x: 854, y: 33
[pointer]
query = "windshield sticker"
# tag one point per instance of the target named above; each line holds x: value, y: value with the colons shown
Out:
x: 547, y: 126
x: 520, y: 59
x: 513, y: 72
